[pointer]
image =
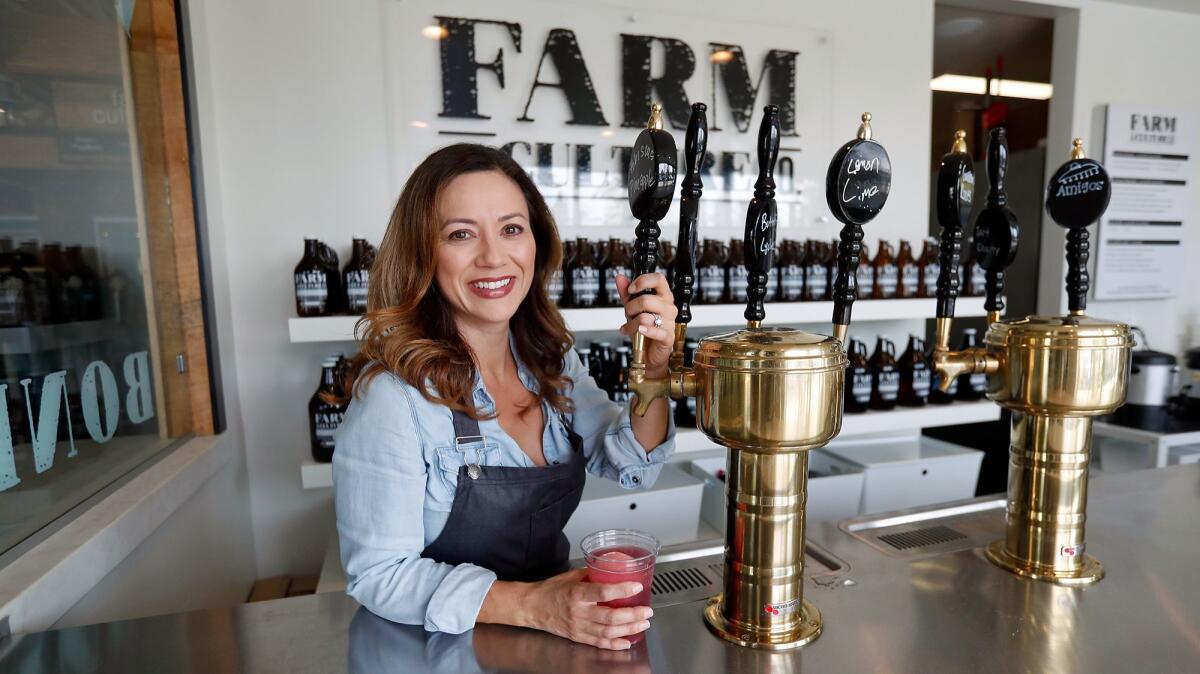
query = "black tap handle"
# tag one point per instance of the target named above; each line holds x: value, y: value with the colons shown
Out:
x: 955, y: 193
x: 695, y: 144
x: 762, y: 216
x: 856, y: 188
x: 996, y: 230
x: 1077, y: 195
x: 651, y: 189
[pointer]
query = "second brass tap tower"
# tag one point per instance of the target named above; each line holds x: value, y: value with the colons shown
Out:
x: 1054, y: 373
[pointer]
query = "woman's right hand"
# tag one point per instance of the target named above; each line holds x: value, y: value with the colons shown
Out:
x: 569, y: 607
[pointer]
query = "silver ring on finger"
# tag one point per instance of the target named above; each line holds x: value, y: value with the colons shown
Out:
x: 657, y: 320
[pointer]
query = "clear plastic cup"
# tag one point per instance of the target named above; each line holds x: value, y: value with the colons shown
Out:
x: 619, y: 556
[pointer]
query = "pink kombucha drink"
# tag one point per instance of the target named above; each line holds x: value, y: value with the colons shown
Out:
x: 619, y: 556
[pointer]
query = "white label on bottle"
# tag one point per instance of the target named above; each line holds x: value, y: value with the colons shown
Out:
x: 909, y: 280
x: 712, y: 284
x: 979, y: 382
x: 865, y: 278
x: 622, y: 396
x: 312, y: 289
x: 931, y: 275
x: 791, y: 282
x: 610, y: 283
x: 356, y: 290
x: 860, y: 386
x: 889, y: 384
x: 691, y: 403
x: 921, y: 381
x: 326, y: 424
x: 737, y: 283
x: 886, y: 279
x: 977, y: 279
x: 772, y: 285
x: 817, y: 281
x: 555, y: 287
x: 585, y: 284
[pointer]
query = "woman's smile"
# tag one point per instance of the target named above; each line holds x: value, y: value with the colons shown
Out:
x: 492, y: 288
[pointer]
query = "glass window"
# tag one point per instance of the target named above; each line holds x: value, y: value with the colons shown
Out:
x: 78, y: 365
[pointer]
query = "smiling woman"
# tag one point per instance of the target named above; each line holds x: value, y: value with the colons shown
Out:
x: 471, y: 426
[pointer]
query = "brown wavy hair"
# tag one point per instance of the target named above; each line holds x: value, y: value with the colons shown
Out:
x: 409, y: 328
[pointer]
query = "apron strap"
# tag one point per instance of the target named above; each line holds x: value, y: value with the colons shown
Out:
x: 466, y: 429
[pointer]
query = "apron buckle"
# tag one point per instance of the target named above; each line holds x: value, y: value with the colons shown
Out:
x: 473, y: 471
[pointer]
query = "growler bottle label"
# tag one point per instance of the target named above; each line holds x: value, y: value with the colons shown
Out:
x: 921, y: 382
x: 791, y: 281
x: 611, y: 296
x: 932, y: 270
x: 909, y: 279
x: 691, y: 405
x: 555, y: 287
x: 978, y: 280
x: 772, y: 286
x: 712, y: 284
x: 818, y: 280
x: 326, y: 424
x: 585, y: 283
x: 889, y: 384
x: 312, y: 289
x: 621, y: 396
x: 356, y: 290
x: 737, y: 283
x: 886, y: 278
x: 860, y: 386
x: 978, y: 382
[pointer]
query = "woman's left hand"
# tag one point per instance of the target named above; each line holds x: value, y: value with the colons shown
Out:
x: 640, y: 314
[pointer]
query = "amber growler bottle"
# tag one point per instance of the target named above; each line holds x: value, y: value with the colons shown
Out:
x: 621, y: 392
x: 907, y: 271
x: 311, y: 282
x: 816, y: 274
x: 735, y: 273
x: 858, y: 379
x: 570, y: 249
x: 356, y: 276
x: 973, y: 387
x: 866, y: 272
x: 585, y: 276
x: 666, y: 263
x: 914, y: 374
x: 618, y: 262
x: 324, y: 417
x: 791, y: 272
x: 929, y: 268
x: 884, y: 268
x: 711, y: 273
x: 885, y: 375
x: 972, y: 279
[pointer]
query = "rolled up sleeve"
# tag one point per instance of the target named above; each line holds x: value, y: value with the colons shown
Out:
x: 612, y: 450
x: 379, y: 477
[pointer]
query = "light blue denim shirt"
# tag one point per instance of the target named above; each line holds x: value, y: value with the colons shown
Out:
x: 395, y: 473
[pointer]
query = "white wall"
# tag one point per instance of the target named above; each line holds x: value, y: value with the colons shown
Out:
x: 202, y: 556
x: 1131, y: 55
x: 296, y: 131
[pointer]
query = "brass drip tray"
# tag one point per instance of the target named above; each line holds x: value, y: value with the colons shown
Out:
x: 916, y: 533
x: 693, y: 574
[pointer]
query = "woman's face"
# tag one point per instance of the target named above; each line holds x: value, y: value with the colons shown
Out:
x: 486, y: 253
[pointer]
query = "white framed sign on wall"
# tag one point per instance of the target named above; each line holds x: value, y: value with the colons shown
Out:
x: 565, y: 89
x: 1147, y: 152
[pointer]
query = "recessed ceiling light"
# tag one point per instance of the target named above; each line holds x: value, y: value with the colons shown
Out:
x: 965, y: 84
x: 959, y: 27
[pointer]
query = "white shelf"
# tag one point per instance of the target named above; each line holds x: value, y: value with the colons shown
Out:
x: 689, y: 440
x: 315, y: 475
x: 608, y: 319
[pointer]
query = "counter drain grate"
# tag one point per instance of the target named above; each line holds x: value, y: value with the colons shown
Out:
x: 678, y: 580
x: 921, y: 538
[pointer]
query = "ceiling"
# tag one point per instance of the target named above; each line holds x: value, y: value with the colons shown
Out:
x: 967, y: 42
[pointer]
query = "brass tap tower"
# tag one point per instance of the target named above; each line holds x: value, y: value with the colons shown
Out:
x: 1054, y: 373
x: 768, y: 394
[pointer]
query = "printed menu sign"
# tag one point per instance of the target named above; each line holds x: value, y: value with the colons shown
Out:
x: 1147, y: 152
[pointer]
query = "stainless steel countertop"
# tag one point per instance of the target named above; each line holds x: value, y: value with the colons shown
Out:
x: 935, y: 611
